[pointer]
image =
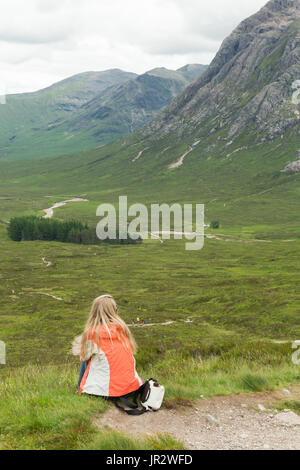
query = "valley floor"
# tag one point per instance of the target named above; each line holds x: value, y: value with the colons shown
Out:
x: 220, y: 322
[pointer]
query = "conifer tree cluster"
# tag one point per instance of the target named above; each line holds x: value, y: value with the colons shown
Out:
x: 68, y: 231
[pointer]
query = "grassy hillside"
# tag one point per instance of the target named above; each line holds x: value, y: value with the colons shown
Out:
x: 242, y: 186
x: 239, y: 297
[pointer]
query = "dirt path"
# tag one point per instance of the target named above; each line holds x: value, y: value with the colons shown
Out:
x: 220, y: 237
x: 179, y: 162
x: 236, y: 240
x: 136, y: 325
x: 50, y: 211
x: 139, y: 154
x: 47, y: 295
x: 221, y: 423
x: 47, y: 263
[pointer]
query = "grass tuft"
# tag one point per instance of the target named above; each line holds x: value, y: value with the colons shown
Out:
x: 254, y: 383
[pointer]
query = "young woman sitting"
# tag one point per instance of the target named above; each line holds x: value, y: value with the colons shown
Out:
x: 107, y: 353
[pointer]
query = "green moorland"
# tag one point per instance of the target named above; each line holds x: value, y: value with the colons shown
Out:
x: 240, y: 295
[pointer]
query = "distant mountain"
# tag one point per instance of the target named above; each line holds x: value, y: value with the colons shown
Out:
x: 192, y: 71
x: 122, y: 109
x: 27, y: 118
x: 83, y: 86
x: 86, y: 110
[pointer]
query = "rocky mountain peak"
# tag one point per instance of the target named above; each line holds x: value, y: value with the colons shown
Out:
x: 282, y: 5
x: 249, y: 84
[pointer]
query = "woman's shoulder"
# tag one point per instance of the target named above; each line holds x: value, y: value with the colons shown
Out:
x: 111, y: 329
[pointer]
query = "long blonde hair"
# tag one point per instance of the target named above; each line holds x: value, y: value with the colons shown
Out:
x: 104, y: 312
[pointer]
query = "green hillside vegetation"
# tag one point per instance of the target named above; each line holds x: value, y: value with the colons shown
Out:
x: 245, y: 192
x: 239, y: 297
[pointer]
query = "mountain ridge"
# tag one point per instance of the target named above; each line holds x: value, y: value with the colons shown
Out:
x: 57, y: 119
x: 126, y: 107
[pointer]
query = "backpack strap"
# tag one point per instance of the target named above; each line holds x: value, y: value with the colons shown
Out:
x: 134, y: 411
x: 129, y: 403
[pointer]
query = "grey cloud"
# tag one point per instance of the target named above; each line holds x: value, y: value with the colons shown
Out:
x: 47, y: 6
x: 217, y: 18
x: 46, y: 40
x: 32, y: 38
x: 181, y: 45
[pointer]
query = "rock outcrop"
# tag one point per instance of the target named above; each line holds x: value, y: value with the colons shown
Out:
x: 293, y: 167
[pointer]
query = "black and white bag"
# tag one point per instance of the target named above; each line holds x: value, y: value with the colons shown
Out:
x: 151, y: 395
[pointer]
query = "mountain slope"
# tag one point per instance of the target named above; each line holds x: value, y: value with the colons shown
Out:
x: 122, y: 109
x: 86, y: 110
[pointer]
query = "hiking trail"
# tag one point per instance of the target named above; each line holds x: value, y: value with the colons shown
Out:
x: 139, y: 154
x: 236, y: 422
x: 47, y: 263
x: 47, y: 295
x: 50, y: 211
x: 220, y: 237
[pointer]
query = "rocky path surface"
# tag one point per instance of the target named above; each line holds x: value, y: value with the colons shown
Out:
x: 221, y: 423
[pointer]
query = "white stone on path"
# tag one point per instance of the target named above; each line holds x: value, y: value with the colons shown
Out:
x: 211, y: 419
x: 262, y: 408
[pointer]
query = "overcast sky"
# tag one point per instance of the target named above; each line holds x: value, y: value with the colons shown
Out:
x: 43, y: 41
